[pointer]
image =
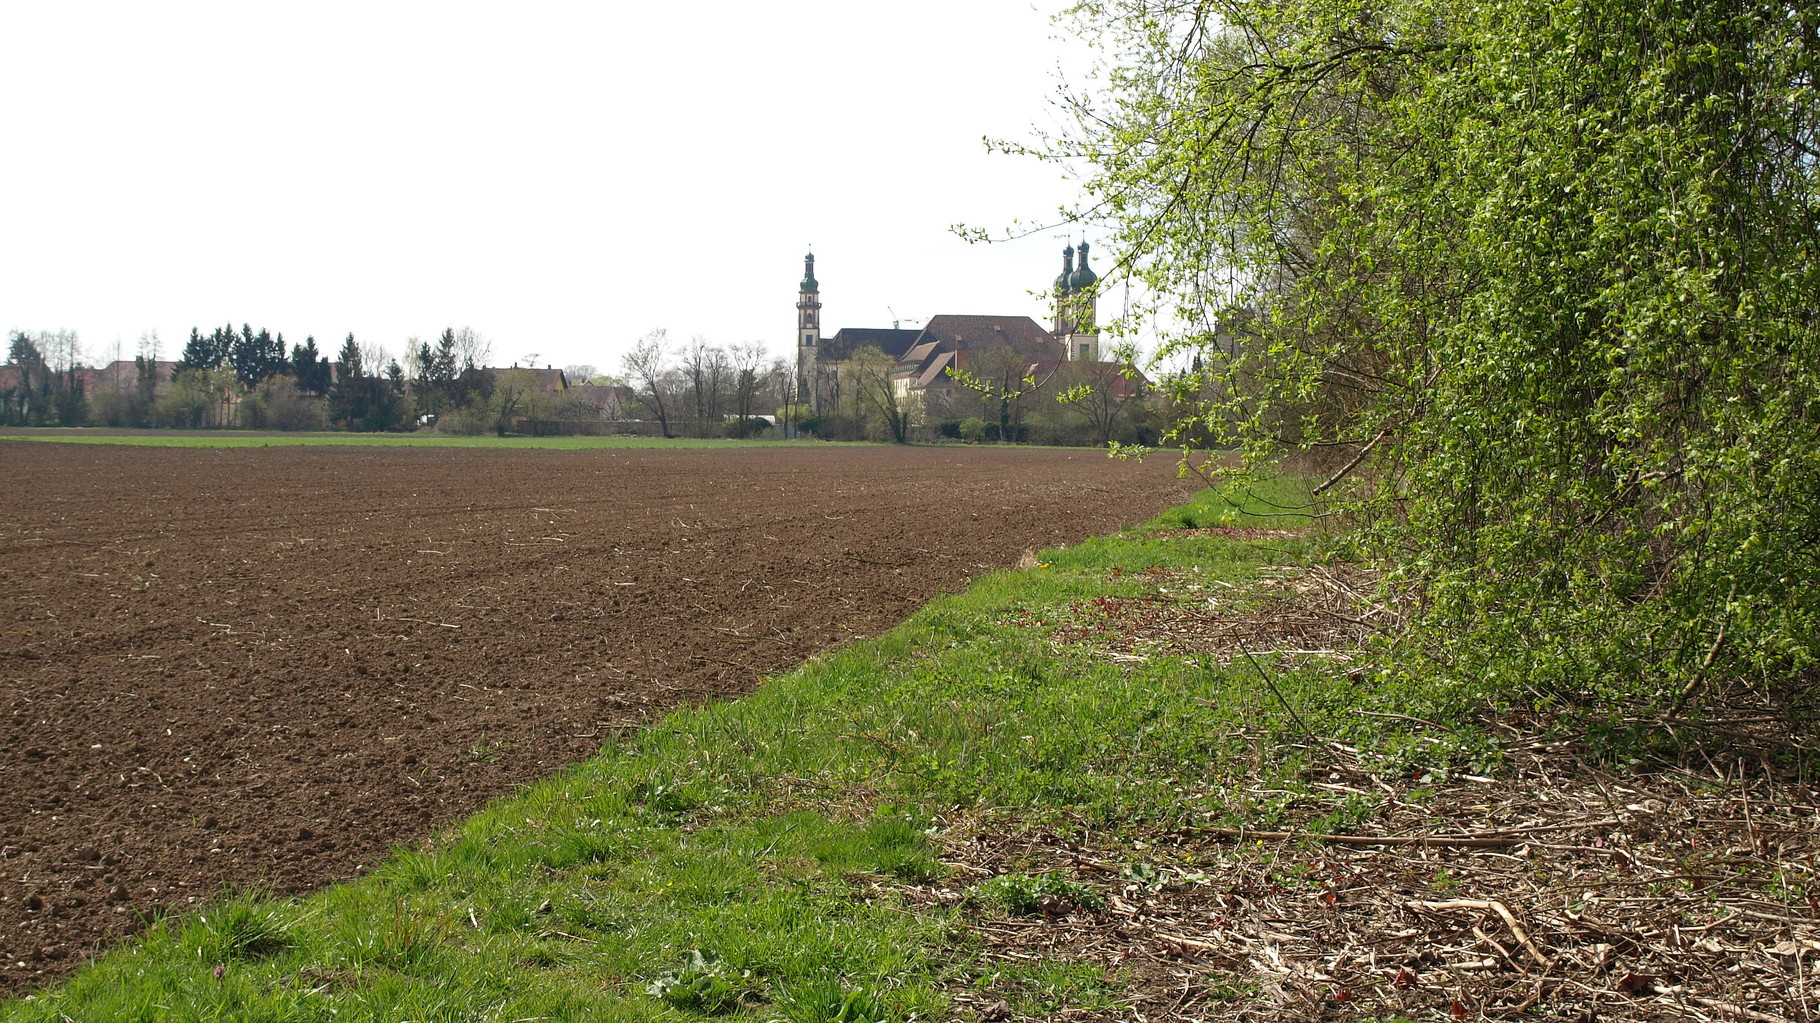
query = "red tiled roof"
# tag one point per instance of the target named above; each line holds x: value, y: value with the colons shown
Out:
x: 948, y: 341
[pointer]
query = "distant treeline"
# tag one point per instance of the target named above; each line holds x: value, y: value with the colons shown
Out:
x: 245, y: 378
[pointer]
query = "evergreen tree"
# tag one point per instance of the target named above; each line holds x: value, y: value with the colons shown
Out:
x: 309, y: 367
x: 359, y: 400
x: 25, y: 400
x: 200, y: 352
x: 255, y: 356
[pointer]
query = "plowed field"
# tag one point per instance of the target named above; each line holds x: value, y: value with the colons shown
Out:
x: 268, y: 666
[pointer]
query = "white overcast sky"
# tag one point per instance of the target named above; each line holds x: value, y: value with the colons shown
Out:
x: 561, y: 176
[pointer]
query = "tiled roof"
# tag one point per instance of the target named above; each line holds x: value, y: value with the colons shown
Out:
x: 602, y: 397
x: 123, y: 374
x: 848, y: 340
x: 948, y: 340
x: 932, y: 371
x: 1020, y: 332
x: 549, y: 381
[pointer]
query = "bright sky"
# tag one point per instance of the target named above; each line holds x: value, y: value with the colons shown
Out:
x: 561, y: 176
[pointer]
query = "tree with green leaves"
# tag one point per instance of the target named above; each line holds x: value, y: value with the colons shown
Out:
x: 891, y: 411
x: 1005, y: 379
x: 1098, y: 398
x: 1538, y: 278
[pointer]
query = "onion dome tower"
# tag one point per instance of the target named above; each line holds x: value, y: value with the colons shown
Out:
x: 1064, y: 309
x: 808, y: 330
x: 1077, y: 307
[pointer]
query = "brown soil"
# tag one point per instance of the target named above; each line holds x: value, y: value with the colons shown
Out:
x: 267, y: 667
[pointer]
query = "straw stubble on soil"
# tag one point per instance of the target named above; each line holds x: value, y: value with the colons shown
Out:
x: 268, y: 666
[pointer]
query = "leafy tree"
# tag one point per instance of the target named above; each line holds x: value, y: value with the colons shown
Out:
x: 130, y: 405
x: 278, y: 403
x: 1100, y: 395
x: 1005, y: 379
x: 197, y: 398
x: 1539, y: 275
x: 514, y: 394
x: 884, y: 404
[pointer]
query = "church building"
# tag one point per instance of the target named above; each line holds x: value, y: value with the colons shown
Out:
x: 923, y: 357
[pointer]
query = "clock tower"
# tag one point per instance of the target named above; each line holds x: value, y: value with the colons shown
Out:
x: 808, y: 332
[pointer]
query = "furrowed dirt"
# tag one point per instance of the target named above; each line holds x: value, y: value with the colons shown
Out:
x: 228, y: 668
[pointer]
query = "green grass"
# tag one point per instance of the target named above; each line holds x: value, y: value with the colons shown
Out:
x: 751, y: 858
x: 1274, y: 502
x: 233, y: 439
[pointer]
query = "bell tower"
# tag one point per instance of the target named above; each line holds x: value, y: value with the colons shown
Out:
x: 1077, y: 307
x: 808, y: 332
x: 1064, y: 302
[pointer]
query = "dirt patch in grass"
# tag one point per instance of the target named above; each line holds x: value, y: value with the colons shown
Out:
x: 1558, y: 889
x: 1299, y: 613
x: 1383, y: 889
x: 267, y: 667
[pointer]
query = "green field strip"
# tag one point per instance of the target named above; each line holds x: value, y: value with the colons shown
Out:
x: 762, y: 857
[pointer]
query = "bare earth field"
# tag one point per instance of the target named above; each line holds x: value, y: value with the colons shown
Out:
x: 269, y: 666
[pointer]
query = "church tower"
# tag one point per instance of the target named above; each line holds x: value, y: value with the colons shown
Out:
x: 808, y: 332
x: 1077, y: 308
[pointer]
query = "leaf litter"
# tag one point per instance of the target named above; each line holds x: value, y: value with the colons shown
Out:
x: 1562, y: 889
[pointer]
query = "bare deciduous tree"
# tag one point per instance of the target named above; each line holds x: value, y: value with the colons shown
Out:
x: 646, y: 368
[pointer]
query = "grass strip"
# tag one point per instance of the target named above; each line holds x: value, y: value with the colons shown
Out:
x: 758, y: 857
x: 233, y: 439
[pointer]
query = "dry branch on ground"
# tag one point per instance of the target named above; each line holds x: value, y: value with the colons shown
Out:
x: 1665, y: 896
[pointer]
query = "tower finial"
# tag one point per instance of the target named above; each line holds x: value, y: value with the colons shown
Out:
x: 809, y: 282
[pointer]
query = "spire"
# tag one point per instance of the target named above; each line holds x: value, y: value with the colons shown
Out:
x: 1061, y: 283
x: 809, y: 283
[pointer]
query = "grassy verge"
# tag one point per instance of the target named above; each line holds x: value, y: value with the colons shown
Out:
x: 234, y: 439
x: 759, y: 857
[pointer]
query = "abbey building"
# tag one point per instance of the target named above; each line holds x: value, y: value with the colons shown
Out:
x: 924, y: 362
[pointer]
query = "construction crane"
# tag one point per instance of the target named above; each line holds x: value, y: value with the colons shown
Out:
x: 896, y: 324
